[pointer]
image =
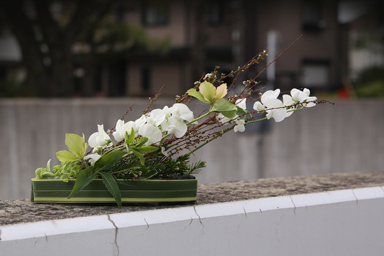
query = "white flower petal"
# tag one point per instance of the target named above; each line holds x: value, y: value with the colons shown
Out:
x: 270, y: 94
x: 151, y: 132
x: 141, y: 121
x: 239, y: 127
x: 307, y: 91
x: 182, y: 111
x: 118, y: 134
x: 176, y: 126
x: 277, y: 110
x: 289, y: 113
x: 242, y: 103
x: 157, y: 116
x: 311, y: 104
x: 99, y: 138
x: 287, y: 100
x: 92, y: 158
x: 222, y: 119
x: 128, y: 126
x: 258, y: 106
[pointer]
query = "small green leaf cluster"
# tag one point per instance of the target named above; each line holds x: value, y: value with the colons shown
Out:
x: 69, y: 170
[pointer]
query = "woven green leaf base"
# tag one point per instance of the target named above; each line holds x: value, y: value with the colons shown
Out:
x: 132, y: 191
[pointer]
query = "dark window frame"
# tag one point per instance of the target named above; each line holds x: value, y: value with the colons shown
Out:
x: 155, y: 13
x: 312, y: 16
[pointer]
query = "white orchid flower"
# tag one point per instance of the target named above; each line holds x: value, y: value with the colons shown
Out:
x: 298, y: 96
x: 182, y: 111
x: 153, y: 133
x: 273, y: 106
x: 276, y: 110
x: 265, y: 98
x: 240, y: 126
x: 119, y: 132
x: 122, y: 128
x: 157, y: 116
x: 92, y: 158
x: 270, y: 94
x: 99, y: 139
x: 175, y: 125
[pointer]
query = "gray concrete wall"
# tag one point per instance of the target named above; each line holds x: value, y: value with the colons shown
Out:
x: 345, y: 137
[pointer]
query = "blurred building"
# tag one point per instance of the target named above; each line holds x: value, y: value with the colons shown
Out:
x: 204, y: 34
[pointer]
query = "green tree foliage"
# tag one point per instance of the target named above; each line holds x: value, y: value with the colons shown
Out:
x: 58, y: 37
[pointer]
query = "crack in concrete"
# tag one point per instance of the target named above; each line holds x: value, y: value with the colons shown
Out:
x: 190, y: 222
x: 116, y: 233
x: 147, y: 223
x: 0, y: 234
x: 294, y: 205
x: 357, y: 200
x: 246, y: 216
x: 194, y: 208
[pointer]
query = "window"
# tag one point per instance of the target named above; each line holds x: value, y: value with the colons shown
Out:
x: 155, y: 13
x: 315, y: 73
x: 312, y: 16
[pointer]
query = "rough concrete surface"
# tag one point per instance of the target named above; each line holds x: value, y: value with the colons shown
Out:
x: 19, y: 211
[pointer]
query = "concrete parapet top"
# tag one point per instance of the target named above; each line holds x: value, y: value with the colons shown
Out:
x: 22, y: 211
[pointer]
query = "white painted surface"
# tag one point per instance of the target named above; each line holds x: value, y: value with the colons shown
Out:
x: 347, y: 222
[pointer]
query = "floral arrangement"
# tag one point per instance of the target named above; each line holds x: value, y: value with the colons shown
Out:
x: 158, y: 144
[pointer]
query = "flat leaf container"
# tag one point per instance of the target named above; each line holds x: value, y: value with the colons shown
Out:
x: 132, y: 191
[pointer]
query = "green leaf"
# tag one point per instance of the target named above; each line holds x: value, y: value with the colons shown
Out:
x: 111, y: 184
x: 240, y: 111
x: 138, y: 155
x: 66, y: 156
x: 141, y: 142
x: 48, y: 174
x: 76, y: 144
x: 197, y: 95
x: 108, y: 160
x: 39, y: 172
x: 84, y: 178
x: 130, y: 138
x: 64, y: 177
x: 225, y: 107
x: 148, y: 149
x: 229, y: 114
x: 49, y: 165
x: 208, y: 91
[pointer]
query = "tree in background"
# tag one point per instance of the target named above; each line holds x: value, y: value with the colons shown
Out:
x: 57, y: 38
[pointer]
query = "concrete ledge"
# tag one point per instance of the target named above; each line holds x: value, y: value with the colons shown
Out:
x: 336, y: 221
